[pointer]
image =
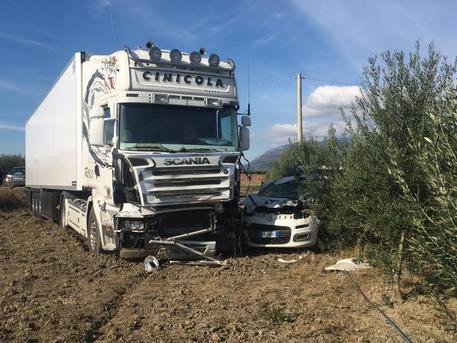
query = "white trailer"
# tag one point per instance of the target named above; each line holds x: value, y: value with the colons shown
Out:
x: 140, y: 149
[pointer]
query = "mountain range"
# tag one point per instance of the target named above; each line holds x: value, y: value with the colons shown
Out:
x: 264, y: 162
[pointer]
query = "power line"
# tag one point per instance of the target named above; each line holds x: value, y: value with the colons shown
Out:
x: 327, y: 81
x: 273, y: 81
x: 280, y: 80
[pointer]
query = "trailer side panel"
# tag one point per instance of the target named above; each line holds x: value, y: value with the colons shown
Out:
x: 52, y: 135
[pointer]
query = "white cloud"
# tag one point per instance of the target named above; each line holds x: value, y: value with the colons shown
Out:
x: 322, y: 108
x: 23, y: 40
x: 9, y: 86
x: 11, y: 127
x: 262, y: 41
x: 360, y: 29
x: 280, y: 134
x: 104, y: 3
x: 101, y: 5
x: 328, y: 100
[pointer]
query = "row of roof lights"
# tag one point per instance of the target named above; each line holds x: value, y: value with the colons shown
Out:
x: 155, y: 53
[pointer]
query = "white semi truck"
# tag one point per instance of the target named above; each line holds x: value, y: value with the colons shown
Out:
x: 140, y: 149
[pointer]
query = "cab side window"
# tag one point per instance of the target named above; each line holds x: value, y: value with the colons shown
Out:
x: 108, y: 126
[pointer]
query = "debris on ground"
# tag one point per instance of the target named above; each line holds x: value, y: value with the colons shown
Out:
x: 68, y: 295
x: 151, y: 264
x: 301, y: 257
x: 348, y: 265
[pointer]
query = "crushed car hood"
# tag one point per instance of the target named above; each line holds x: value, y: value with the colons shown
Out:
x: 257, y: 203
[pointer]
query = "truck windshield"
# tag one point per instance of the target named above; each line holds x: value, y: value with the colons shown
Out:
x: 176, y: 128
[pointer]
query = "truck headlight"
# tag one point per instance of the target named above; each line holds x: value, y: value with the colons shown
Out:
x: 134, y: 225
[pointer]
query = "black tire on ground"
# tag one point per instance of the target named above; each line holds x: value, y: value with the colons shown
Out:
x: 93, y: 235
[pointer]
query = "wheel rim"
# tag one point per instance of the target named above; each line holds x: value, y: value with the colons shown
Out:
x: 93, y: 234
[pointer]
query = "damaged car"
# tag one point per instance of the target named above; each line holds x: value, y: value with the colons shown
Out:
x: 277, y: 217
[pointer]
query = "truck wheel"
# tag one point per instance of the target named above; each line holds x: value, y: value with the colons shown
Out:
x: 93, y: 235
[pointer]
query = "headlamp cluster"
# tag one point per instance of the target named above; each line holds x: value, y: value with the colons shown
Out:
x: 195, y: 57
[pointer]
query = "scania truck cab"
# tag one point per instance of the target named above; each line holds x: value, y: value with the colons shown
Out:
x: 140, y: 149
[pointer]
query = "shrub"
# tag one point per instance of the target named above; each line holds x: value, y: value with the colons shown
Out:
x: 7, y: 162
x: 11, y: 199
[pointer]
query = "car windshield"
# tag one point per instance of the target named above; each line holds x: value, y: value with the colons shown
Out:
x: 281, y: 188
x: 17, y: 170
x: 177, y: 128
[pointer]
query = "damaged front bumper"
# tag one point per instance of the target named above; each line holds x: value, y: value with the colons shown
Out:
x: 280, y: 231
x: 179, y: 235
x: 279, y: 223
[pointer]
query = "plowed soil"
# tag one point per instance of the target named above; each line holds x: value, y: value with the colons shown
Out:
x: 53, y: 290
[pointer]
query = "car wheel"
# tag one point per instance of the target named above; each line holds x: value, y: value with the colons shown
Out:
x: 93, y: 234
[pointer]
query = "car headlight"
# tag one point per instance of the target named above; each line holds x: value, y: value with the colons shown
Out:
x: 134, y: 225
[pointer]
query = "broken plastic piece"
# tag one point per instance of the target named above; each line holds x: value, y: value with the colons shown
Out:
x: 151, y: 264
x: 348, y: 265
x: 301, y: 257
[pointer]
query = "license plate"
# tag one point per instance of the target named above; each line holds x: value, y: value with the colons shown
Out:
x: 269, y: 234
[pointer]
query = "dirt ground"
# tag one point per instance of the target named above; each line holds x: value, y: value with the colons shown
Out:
x: 52, y: 290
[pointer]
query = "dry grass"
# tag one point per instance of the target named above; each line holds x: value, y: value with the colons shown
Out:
x: 11, y: 199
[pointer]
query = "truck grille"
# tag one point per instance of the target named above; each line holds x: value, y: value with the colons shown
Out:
x: 165, y: 186
x: 172, y: 224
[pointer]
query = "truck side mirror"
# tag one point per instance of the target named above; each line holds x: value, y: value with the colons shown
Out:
x: 244, y: 138
x: 246, y: 121
x: 96, y: 126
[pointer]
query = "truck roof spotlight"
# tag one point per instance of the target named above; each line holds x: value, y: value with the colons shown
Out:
x: 214, y: 60
x: 195, y: 57
x: 155, y: 53
x: 175, y: 56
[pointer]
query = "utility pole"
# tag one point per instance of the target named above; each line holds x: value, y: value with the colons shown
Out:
x: 299, y: 109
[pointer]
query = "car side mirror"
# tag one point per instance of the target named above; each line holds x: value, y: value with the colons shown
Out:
x: 244, y: 138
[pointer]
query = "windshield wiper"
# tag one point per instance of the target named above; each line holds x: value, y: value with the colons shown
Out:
x: 196, y: 149
x: 149, y: 147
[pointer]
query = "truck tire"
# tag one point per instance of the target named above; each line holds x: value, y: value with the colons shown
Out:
x: 93, y: 234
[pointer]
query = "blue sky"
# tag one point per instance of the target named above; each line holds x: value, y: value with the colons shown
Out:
x: 329, y: 40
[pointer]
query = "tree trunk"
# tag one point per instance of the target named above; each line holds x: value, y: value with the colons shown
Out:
x: 401, y: 248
